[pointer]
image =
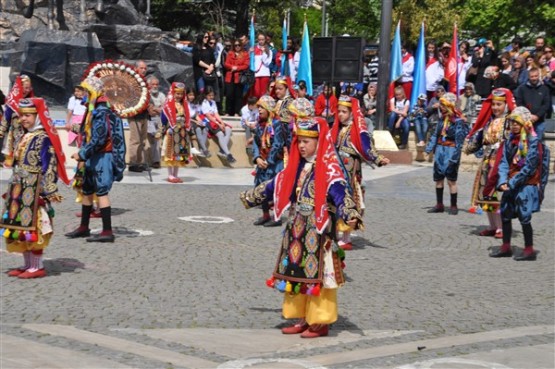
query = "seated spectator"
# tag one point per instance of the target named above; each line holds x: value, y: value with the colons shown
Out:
x: 419, y: 118
x: 399, y: 107
x: 216, y: 125
x: 541, y: 62
x: 468, y: 102
x: 432, y: 110
x: 249, y: 119
x: 520, y: 75
x: 199, y: 128
x: 370, y: 102
x: 497, y: 79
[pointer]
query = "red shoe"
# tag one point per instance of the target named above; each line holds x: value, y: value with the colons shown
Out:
x: 316, y: 330
x: 36, y: 274
x: 178, y: 180
x: 487, y: 232
x: 299, y: 327
x: 96, y: 214
x: 346, y: 246
x: 16, y: 272
x: 499, y: 234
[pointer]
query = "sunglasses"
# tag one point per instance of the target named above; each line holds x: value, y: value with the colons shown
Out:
x: 236, y: 45
x: 211, y: 43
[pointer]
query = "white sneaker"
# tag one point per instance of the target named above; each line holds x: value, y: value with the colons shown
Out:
x: 196, y: 152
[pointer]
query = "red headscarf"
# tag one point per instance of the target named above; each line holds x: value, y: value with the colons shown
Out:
x: 485, y: 113
x: 358, y: 126
x: 327, y: 172
x: 170, y: 110
x: 47, y: 124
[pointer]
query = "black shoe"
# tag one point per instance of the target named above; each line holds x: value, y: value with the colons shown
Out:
x: 231, y: 159
x: 437, y: 209
x: 499, y: 253
x: 453, y: 210
x: 273, y: 223
x: 135, y: 168
x: 155, y: 165
x: 526, y: 257
x: 78, y: 233
x: 402, y: 147
x: 261, y: 221
x: 101, y: 238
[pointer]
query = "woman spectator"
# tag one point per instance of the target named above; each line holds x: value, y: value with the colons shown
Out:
x: 520, y: 74
x: 505, y: 64
x: 541, y: 62
x: 530, y: 62
x: 199, y: 128
x: 370, y: 101
x: 204, y: 63
x: 235, y: 62
x: 465, y: 62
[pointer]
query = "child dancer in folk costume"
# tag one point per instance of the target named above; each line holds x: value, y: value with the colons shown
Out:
x: 101, y: 160
x: 176, y: 122
x: 523, y: 175
x: 446, y: 144
x: 283, y: 94
x: 268, y: 146
x: 486, y: 137
x: 309, y: 267
x: 354, y: 145
x: 10, y: 126
x: 38, y: 163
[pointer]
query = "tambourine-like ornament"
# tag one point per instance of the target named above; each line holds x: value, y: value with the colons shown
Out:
x: 123, y: 86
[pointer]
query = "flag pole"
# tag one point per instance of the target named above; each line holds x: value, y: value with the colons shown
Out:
x: 383, y: 62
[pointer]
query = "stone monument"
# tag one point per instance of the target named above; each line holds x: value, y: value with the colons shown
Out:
x: 55, y: 51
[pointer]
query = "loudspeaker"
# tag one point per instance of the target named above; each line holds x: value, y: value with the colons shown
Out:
x: 337, y: 59
x: 322, y: 59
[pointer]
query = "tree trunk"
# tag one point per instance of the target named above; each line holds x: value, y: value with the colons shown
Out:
x: 242, y: 21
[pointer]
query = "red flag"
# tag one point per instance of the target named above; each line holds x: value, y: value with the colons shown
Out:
x: 451, y: 72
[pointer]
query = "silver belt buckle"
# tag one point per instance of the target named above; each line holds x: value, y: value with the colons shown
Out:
x: 305, y: 209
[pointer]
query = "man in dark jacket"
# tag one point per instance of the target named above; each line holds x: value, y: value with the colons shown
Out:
x: 498, y: 79
x: 535, y: 96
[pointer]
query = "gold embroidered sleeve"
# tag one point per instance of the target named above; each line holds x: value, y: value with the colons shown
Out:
x: 255, y: 196
x: 50, y: 176
x: 3, y: 126
x: 348, y: 211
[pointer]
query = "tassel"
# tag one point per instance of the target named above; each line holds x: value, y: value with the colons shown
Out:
x: 34, y: 237
x: 472, y: 210
x: 297, y: 288
x: 316, y: 290
x: 288, y: 287
x: 18, y: 218
x: 309, y: 290
x: 285, y: 262
x: 22, y: 236
x: 2, y: 230
x: 341, y: 253
x: 304, y: 289
x: 270, y: 282
x: 28, y: 236
x: 7, y: 233
x: 15, y: 235
x: 479, y: 211
x: 343, y: 265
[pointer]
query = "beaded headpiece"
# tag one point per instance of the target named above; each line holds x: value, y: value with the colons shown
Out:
x: 301, y: 108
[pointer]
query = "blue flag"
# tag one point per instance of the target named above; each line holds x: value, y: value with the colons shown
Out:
x: 419, y: 83
x: 284, y: 59
x: 305, y: 66
x: 251, y: 37
x: 396, y: 70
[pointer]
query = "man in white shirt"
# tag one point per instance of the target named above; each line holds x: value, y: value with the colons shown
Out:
x: 408, y: 69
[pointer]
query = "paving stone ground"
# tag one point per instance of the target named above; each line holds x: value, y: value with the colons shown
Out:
x: 412, y: 276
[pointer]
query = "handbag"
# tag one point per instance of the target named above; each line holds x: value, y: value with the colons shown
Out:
x: 246, y: 77
x: 209, y: 77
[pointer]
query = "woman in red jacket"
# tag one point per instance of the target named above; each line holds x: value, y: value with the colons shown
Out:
x: 236, y: 61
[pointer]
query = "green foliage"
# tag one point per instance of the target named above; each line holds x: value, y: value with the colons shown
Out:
x: 355, y: 17
x: 499, y: 20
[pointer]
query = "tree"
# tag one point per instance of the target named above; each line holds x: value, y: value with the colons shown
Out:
x: 356, y: 18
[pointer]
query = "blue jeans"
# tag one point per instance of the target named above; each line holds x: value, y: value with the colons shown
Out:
x: 404, y: 127
x: 421, y: 128
x: 540, y: 129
